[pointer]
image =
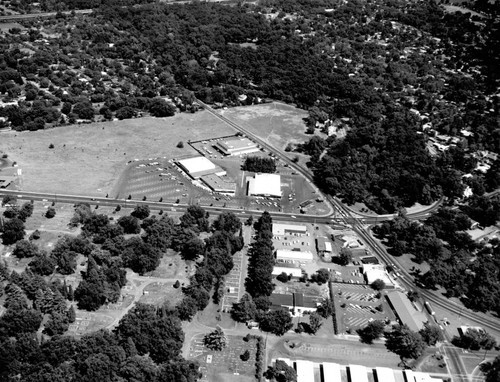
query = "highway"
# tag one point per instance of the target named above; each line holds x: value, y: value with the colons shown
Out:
x: 27, y: 16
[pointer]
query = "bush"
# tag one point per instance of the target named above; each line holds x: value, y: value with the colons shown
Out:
x: 180, y: 145
x: 245, y: 356
x: 51, y: 212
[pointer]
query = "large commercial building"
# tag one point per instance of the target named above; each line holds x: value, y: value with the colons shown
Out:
x: 237, y: 146
x: 405, y: 312
x: 199, y: 166
x: 264, y: 185
x: 288, y: 229
x: 288, y: 256
x: 219, y: 185
x: 333, y: 372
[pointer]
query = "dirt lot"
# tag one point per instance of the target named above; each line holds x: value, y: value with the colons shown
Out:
x: 87, y: 159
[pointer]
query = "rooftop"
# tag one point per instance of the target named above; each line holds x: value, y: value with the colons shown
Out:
x: 265, y: 184
x: 288, y: 254
x: 237, y: 144
x: 197, y: 164
x: 283, y: 229
x: 405, y: 311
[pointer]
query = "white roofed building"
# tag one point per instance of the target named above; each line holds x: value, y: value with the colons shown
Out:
x: 305, y: 371
x: 199, y: 166
x: 358, y: 373
x: 237, y: 146
x: 288, y: 256
x: 376, y: 272
x: 295, y: 272
x: 264, y: 185
x: 384, y: 374
x: 331, y: 372
x: 288, y: 229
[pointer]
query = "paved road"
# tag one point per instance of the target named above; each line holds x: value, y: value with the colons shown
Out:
x: 27, y: 16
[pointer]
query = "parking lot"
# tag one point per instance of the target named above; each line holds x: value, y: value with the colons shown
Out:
x: 235, y: 280
x: 357, y: 305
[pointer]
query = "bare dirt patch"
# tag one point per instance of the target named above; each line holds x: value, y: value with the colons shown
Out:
x: 87, y: 159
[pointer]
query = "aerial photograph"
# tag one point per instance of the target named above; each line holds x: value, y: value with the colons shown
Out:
x: 250, y: 190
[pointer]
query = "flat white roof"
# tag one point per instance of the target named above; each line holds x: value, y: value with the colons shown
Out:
x: 197, y: 164
x: 374, y: 274
x: 265, y: 184
x: 286, y: 360
x: 237, y: 144
x: 384, y: 374
x: 305, y: 371
x: 280, y: 229
x: 331, y: 372
x: 286, y: 254
x: 295, y: 272
x: 358, y: 373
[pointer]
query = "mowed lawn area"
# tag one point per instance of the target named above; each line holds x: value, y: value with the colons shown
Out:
x: 277, y: 123
x: 88, y: 159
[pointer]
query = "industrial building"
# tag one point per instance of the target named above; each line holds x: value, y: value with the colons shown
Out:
x: 295, y: 272
x: 199, y: 166
x: 264, y: 185
x: 288, y: 256
x: 237, y: 146
x: 405, y: 312
x: 334, y: 372
x: 288, y: 229
x: 219, y: 185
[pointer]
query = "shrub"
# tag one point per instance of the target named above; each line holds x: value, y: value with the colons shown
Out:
x: 51, y: 212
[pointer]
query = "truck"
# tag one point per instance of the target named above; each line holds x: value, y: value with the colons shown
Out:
x: 428, y: 307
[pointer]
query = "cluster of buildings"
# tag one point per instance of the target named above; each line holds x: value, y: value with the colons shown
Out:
x: 333, y: 372
x: 214, y: 177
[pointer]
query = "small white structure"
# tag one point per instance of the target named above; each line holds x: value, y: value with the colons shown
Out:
x: 287, y: 256
x: 288, y: 229
x: 264, y: 185
x: 331, y: 372
x: 305, y: 371
x: 384, y: 374
x: 237, y: 146
x: 358, y: 373
x: 199, y: 166
x: 295, y: 272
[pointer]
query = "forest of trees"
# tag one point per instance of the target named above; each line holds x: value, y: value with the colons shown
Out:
x: 147, y: 341
x: 365, y: 63
x: 465, y: 268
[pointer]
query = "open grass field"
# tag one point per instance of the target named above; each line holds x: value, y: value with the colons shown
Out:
x: 277, y: 123
x: 87, y: 159
x: 225, y: 365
